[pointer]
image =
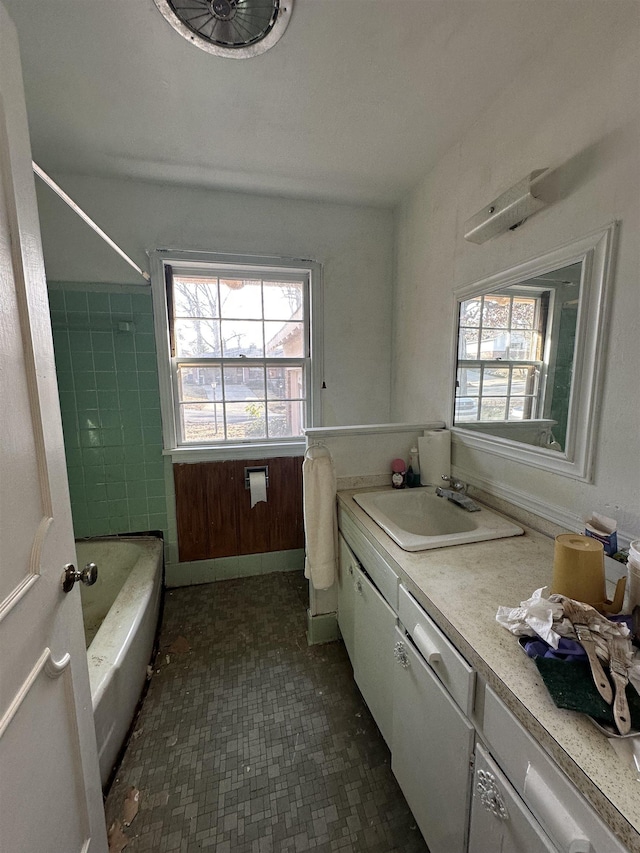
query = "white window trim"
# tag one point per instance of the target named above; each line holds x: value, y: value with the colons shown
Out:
x: 200, y: 262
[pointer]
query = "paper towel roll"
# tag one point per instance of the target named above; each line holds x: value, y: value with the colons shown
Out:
x: 257, y: 487
x: 435, y: 456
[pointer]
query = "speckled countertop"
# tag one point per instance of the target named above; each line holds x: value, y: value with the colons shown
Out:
x: 461, y: 588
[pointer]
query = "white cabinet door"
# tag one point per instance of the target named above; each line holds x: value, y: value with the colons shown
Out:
x: 430, y: 751
x: 500, y: 821
x: 373, y: 660
x: 347, y: 565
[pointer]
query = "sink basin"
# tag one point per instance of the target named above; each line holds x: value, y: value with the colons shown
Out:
x: 417, y: 519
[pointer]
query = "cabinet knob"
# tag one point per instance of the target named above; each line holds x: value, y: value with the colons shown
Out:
x: 358, y: 586
x: 490, y: 795
x: 401, y: 656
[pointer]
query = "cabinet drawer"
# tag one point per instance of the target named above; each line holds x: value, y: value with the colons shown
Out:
x: 446, y: 662
x: 380, y: 572
x: 550, y: 795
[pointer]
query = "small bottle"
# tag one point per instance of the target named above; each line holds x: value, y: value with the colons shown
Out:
x: 398, y: 474
x: 413, y: 471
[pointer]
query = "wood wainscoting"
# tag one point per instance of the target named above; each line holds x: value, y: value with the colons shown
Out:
x: 214, y: 513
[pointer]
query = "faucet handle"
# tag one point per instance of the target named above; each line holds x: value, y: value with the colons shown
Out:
x: 456, y: 485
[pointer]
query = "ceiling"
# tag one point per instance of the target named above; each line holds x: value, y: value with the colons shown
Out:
x: 354, y: 104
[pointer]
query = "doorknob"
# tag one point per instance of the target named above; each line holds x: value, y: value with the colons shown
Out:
x: 88, y: 576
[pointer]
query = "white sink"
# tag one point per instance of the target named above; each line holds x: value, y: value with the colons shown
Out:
x: 417, y: 519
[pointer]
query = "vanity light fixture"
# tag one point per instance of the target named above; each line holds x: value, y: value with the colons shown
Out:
x: 508, y: 211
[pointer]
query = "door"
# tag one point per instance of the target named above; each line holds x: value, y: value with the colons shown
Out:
x: 500, y: 821
x: 347, y: 565
x: 431, y: 751
x: 373, y: 664
x: 50, y: 796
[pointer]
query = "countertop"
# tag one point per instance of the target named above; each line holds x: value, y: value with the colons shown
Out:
x: 461, y: 588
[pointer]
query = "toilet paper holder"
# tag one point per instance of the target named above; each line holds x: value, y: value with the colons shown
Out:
x: 258, y: 468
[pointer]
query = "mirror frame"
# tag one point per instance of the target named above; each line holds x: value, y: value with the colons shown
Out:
x: 595, y: 252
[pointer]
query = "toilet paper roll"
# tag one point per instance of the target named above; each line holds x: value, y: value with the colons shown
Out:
x: 435, y: 456
x: 257, y: 487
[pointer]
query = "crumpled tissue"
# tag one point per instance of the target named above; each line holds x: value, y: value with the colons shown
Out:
x: 537, y: 615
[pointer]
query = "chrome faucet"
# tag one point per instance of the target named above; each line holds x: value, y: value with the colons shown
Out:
x: 457, y: 494
x: 455, y: 485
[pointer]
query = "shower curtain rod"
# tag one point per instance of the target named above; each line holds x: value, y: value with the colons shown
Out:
x: 86, y: 218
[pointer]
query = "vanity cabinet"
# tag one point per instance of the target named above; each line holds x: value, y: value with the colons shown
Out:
x: 473, y: 788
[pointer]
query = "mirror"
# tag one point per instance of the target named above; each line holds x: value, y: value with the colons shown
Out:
x: 527, y: 357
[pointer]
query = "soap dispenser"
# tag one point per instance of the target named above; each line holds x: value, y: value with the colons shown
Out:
x: 413, y: 471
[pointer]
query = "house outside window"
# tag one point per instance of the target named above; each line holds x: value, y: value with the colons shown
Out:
x: 239, y: 352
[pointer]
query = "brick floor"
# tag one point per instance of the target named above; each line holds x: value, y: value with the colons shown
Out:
x: 250, y: 741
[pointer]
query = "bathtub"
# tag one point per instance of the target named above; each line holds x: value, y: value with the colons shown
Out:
x: 120, y: 613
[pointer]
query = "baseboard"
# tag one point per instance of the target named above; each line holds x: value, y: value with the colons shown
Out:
x: 322, y: 628
x: 226, y: 568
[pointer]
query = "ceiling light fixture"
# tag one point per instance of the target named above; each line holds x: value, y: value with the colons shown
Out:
x: 236, y: 29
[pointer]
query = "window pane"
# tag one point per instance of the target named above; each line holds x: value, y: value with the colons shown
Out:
x: 285, y: 383
x: 494, y: 343
x: 466, y: 409
x: 520, y: 408
x: 495, y: 311
x: 468, y: 343
x: 286, y: 419
x: 523, y: 380
x: 203, y: 423
x: 242, y: 338
x: 245, y: 420
x: 524, y: 313
x: 195, y: 297
x: 284, y: 340
x: 240, y: 299
x: 522, y: 345
x: 283, y: 300
x: 199, y: 383
x: 470, y: 312
x: 495, y: 380
x: 195, y: 337
x: 236, y: 388
x: 468, y: 381
x: 493, y: 408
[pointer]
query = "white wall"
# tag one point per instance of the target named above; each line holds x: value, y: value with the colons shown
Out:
x: 574, y: 109
x: 354, y: 245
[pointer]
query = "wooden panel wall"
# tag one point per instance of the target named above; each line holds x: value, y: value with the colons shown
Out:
x: 214, y: 513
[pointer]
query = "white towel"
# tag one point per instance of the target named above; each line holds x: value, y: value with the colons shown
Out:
x: 320, y: 521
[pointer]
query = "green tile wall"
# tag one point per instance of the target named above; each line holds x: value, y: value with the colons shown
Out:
x: 108, y: 383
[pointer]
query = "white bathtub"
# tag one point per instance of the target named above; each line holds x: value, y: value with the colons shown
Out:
x: 121, y: 613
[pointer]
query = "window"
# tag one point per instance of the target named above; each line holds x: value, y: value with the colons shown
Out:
x: 501, y: 341
x: 239, y: 350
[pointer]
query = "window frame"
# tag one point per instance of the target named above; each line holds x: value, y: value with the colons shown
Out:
x: 200, y: 263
